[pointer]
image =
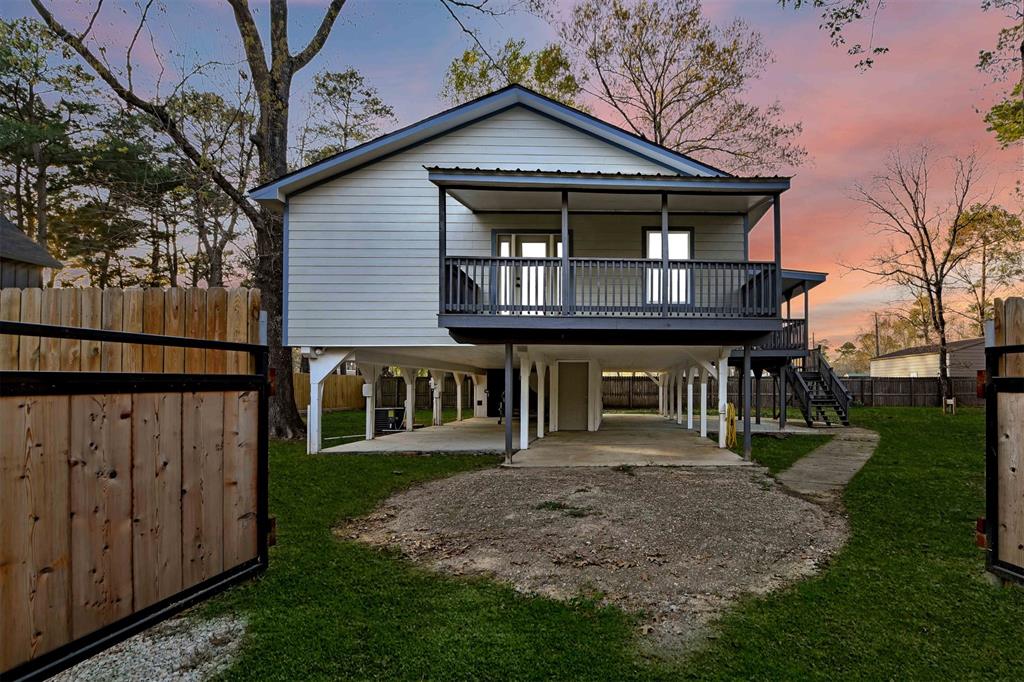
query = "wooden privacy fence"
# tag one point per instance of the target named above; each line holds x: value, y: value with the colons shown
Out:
x: 1004, y: 441
x: 910, y: 391
x: 125, y: 495
x: 216, y: 314
x: 345, y: 392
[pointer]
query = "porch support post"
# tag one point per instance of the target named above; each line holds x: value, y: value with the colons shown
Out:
x: 807, y: 322
x: 507, y: 409
x: 321, y: 365
x: 541, y: 367
x: 566, y: 292
x: 436, y: 395
x: 553, y: 408
x: 369, y: 372
x: 689, y: 397
x: 409, y: 374
x: 746, y: 401
x: 703, y: 403
x: 723, y: 394
x: 679, y: 396
x: 661, y: 393
x: 459, y: 378
x: 757, y: 398
x: 664, y: 254
x: 524, y: 401
x: 442, y: 244
x: 777, y: 215
x: 782, y: 398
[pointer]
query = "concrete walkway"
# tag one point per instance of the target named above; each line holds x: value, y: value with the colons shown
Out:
x: 825, y: 472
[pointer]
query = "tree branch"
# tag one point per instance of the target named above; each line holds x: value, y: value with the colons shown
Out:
x: 157, y: 111
x: 320, y: 37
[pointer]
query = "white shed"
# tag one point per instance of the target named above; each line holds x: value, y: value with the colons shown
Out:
x: 965, y: 359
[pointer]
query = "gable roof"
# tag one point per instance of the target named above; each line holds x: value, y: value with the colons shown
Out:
x: 276, y: 191
x: 932, y: 348
x: 15, y: 245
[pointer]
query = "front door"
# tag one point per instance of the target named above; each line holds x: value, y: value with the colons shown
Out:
x: 573, y: 392
x: 530, y: 288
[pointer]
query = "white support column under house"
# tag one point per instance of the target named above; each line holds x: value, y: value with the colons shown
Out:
x: 370, y: 372
x: 435, y: 395
x: 409, y: 375
x: 525, y: 365
x: 723, y: 395
x: 679, y: 396
x: 459, y: 376
x: 691, y: 373
x: 703, y: 402
x: 541, y: 367
x: 322, y: 361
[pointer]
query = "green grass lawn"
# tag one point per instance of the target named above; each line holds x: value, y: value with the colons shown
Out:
x: 778, y: 454
x: 905, y: 599
x: 339, y: 423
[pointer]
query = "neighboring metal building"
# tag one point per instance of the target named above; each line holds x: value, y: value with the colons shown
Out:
x: 21, y: 259
x: 965, y: 359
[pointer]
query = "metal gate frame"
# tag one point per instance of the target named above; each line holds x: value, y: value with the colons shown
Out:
x: 994, y: 385
x: 25, y: 383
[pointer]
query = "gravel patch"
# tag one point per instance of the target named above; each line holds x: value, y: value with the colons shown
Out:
x: 674, y: 545
x: 182, y: 648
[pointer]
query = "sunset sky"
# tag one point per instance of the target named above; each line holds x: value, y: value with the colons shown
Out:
x: 926, y: 90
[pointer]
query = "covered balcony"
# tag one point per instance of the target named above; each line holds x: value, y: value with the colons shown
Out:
x: 545, y: 285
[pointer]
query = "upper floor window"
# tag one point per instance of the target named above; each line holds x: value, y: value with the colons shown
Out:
x: 680, y: 246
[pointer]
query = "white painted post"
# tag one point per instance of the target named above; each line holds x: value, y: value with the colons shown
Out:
x: 409, y: 374
x: 703, y: 403
x: 690, y: 373
x: 723, y: 395
x: 541, y: 367
x: 479, y: 395
x: 438, y: 377
x: 369, y: 372
x: 661, y: 393
x: 679, y: 397
x: 459, y: 377
x: 553, y: 410
x: 313, y: 416
x: 524, y: 401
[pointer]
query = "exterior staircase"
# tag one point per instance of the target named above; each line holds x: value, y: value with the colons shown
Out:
x: 819, y: 393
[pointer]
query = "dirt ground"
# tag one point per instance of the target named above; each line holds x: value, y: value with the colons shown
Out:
x: 673, y: 545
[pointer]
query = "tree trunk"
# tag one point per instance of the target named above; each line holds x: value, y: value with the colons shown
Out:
x: 284, y: 418
x: 940, y: 327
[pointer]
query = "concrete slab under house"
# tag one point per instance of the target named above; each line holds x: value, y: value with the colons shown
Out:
x: 533, y: 248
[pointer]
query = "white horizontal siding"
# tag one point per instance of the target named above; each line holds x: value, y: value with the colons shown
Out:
x: 362, y: 249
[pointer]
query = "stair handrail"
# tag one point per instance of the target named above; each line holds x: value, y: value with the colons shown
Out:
x: 833, y: 383
x: 801, y: 391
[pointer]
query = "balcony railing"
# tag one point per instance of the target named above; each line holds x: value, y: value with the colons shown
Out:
x: 791, y: 336
x: 616, y: 287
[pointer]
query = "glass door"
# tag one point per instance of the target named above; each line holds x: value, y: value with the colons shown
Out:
x: 679, y: 248
x: 529, y: 288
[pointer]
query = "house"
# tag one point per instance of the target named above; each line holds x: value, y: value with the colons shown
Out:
x: 513, y: 235
x: 21, y: 259
x: 965, y: 359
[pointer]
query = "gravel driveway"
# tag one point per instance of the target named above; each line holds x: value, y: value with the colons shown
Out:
x: 675, y: 545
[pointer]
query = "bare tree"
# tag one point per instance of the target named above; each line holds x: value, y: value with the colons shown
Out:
x: 678, y: 80
x: 927, y: 240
